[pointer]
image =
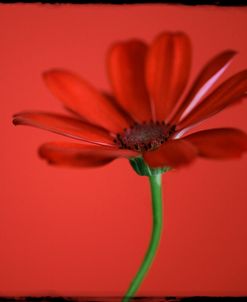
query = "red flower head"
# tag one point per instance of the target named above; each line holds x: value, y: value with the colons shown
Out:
x: 145, y: 117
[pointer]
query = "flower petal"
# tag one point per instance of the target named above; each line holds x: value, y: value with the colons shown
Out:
x: 114, y: 101
x: 229, y: 92
x: 81, y: 155
x: 173, y: 153
x: 219, y: 143
x: 65, y: 125
x: 168, y: 67
x: 205, y: 80
x: 82, y: 98
x: 126, y: 63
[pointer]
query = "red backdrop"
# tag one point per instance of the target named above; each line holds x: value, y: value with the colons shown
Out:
x: 84, y: 232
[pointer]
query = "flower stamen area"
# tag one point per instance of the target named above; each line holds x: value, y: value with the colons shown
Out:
x: 144, y: 137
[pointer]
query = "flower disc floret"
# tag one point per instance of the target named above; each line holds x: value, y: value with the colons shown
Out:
x: 145, y: 136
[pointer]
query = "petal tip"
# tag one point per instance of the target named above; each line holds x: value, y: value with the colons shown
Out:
x: 231, y: 52
x: 52, y: 73
x: 15, y: 122
x: 16, y: 119
x: 43, y: 155
x: 41, y: 152
x: 228, y: 55
x: 47, y: 73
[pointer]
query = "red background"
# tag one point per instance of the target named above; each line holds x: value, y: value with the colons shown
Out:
x: 84, y: 232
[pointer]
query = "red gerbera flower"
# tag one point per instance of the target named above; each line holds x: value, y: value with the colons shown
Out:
x: 145, y: 117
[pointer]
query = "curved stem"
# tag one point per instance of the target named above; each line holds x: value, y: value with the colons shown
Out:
x: 156, y: 190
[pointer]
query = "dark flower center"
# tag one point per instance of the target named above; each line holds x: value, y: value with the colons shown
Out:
x: 144, y: 137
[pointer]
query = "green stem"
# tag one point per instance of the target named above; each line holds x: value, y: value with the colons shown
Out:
x: 156, y: 189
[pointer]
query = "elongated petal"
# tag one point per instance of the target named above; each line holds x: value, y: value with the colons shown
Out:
x: 82, y: 98
x: 231, y: 91
x: 205, y: 80
x: 125, y: 113
x: 111, y: 99
x: 174, y: 153
x: 64, y: 125
x: 219, y: 143
x: 126, y: 63
x: 81, y: 155
x: 168, y: 68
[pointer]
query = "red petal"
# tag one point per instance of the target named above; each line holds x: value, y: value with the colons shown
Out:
x: 64, y: 125
x: 111, y: 99
x: 205, y: 80
x: 82, y: 98
x: 228, y: 93
x: 219, y: 143
x: 168, y: 67
x: 72, y: 154
x: 173, y: 153
x: 114, y: 101
x: 126, y: 63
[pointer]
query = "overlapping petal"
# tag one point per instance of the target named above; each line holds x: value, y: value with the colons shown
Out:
x: 126, y: 67
x: 82, y: 98
x: 114, y: 101
x: 168, y: 68
x: 64, y: 125
x: 81, y: 155
x: 219, y: 143
x: 230, y: 92
x: 205, y: 80
x: 173, y: 153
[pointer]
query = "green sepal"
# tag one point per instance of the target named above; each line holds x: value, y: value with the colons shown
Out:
x: 141, y: 168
